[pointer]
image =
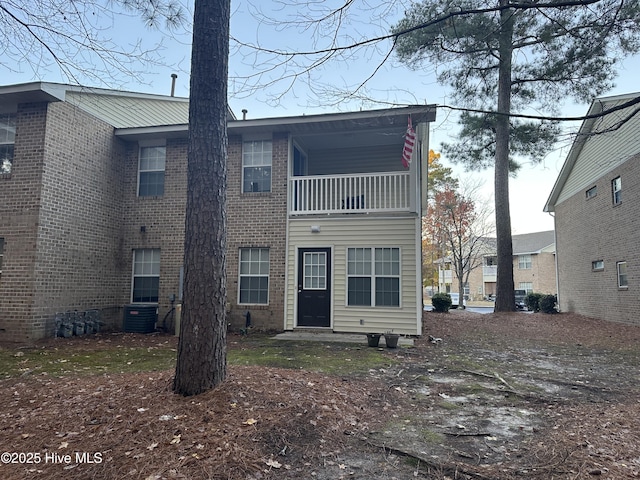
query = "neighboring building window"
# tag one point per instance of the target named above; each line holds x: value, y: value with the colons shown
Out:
x: 7, y: 141
x: 592, y: 192
x: 146, y: 275
x: 526, y: 286
x: 151, y: 171
x: 622, y: 274
x: 254, y: 276
x: 616, y: 190
x: 524, y: 262
x: 256, y: 166
x: 373, y: 277
x: 597, y: 265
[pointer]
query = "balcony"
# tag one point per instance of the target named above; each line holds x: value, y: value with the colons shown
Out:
x: 489, y: 273
x: 340, y: 194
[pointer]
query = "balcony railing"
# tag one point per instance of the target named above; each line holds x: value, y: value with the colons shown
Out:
x: 489, y: 273
x: 361, y: 193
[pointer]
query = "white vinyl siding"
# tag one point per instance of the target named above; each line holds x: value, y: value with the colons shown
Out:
x: 371, y: 232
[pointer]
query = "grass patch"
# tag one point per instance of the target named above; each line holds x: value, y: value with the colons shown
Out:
x: 61, y: 362
x: 94, y: 358
x: 329, y: 358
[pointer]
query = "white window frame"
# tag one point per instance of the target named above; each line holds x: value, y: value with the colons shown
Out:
x: 370, y: 267
x: 622, y: 275
x: 316, y: 277
x: 526, y: 286
x: 159, y: 165
x: 252, y: 271
x: 253, y: 158
x: 597, y: 265
x: 146, y: 264
x: 524, y: 262
x: 7, y: 140
x: 616, y: 190
x: 591, y: 192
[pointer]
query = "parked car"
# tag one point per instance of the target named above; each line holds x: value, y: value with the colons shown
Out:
x: 455, y: 300
x: 521, y: 299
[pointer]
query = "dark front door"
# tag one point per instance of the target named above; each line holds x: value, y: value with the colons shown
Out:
x: 314, y: 287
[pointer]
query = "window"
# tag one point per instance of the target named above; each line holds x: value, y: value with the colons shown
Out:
x: 7, y: 141
x: 315, y: 271
x: 526, y: 286
x: 524, y: 262
x: 254, y: 276
x: 592, y: 192
x: 146, y: 275
x: 151, y: 171
x: 373, y: 277
x: 256, y: 166
x: 616, y: 190
x: 597, y: 265
x: 622, y: 274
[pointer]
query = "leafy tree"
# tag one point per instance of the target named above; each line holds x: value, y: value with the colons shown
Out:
x: 202, y: 357
x: 501, y: 56
x: 439, y: 176
x: 460, y: 224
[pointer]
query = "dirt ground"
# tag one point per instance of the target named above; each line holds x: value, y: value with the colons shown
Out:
x: 500, y: 396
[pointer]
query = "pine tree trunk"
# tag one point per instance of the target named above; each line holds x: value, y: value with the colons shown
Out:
x: 201, y: 363
x: 505, y: 299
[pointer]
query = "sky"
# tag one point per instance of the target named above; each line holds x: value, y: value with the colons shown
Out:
x: 266, y: 89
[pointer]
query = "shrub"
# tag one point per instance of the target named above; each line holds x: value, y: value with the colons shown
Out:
x: 548, y: 304
x: 533, y: 301
x: 441, y: 302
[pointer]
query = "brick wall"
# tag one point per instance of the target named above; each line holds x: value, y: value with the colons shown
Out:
x: 593, y: 229
x: 19, y: 208
x: 62, y: 224
x: 257, y: 220
x: 163, y: 220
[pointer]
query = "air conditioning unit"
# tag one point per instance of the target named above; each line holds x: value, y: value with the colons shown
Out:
x: 140, y: 318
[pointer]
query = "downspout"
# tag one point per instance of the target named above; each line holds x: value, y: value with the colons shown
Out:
x: 555, y: 242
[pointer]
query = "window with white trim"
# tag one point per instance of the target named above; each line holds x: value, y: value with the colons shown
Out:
x: 621, y: 267
x: 524, y: 262
x: 146, y: 275
x: 591, y: 192
x: 151, y: 168
x: 256, y: 166
x: 526, y: 286
x: 7, y: 141
x: 373, y: 277
x: 254, y: 276
x: 616, y: 190
x: 597, y: 265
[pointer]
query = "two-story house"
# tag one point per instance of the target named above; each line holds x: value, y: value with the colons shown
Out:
x: 595, y: 201
x: 533, y: 267
x: 323, y: 218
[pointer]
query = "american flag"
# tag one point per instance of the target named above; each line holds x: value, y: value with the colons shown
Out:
x: 409, y: 142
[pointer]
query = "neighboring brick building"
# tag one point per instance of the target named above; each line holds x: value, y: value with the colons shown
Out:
x: 534, y: 268
x: 596, y: 200
x: 323, y: 221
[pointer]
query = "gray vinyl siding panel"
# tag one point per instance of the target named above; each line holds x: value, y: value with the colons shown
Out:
x: 342, y: 233
x: 372, y: 159
x: 604, y: 152
x: 131, y: 112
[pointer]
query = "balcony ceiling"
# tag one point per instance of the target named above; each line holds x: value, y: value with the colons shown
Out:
x: 341, y: 130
